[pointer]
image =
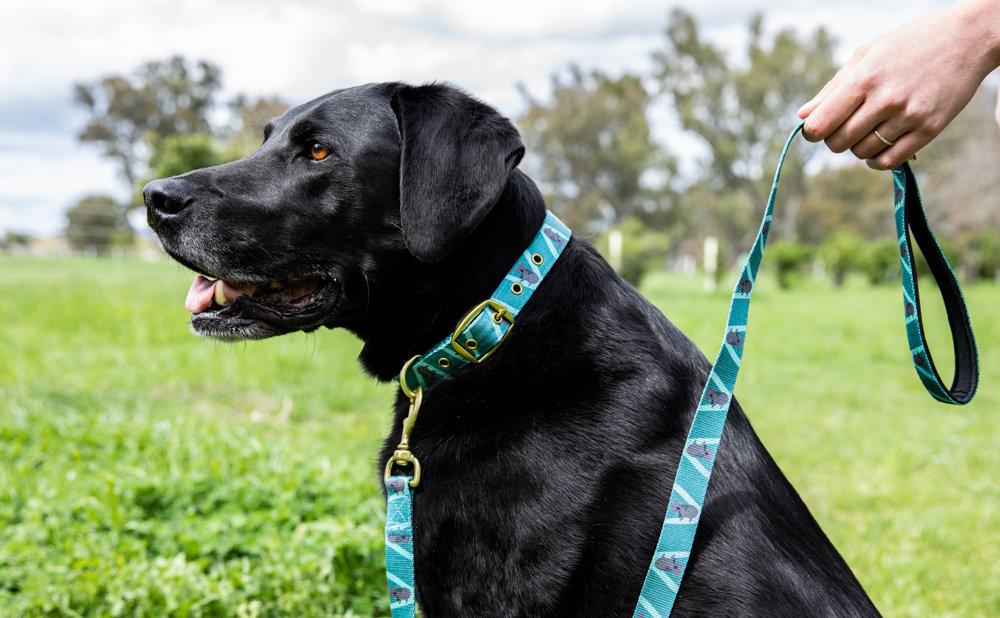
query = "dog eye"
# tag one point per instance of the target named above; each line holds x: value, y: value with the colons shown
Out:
x: 318, y: 152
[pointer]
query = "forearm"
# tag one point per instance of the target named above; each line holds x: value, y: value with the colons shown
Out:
x: 981, y: 19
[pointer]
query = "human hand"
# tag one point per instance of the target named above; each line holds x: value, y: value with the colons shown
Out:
x: 907, y: 85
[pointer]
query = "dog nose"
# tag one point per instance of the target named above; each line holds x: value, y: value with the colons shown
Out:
x: 167, y: 196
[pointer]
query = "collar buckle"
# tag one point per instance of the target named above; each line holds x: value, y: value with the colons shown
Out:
x: 476, y: 349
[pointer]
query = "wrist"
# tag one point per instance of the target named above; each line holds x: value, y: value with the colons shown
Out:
x: 980, y: 21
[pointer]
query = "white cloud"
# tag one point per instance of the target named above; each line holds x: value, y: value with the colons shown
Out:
x: 302, y: 49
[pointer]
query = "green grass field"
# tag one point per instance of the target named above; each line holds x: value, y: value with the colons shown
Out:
x: 144, y: 472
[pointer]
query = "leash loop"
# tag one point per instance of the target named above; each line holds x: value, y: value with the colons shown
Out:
x: 911, y: 220
x: 697, y: 461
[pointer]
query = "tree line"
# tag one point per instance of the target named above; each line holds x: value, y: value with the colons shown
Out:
x: 601, y: 168
x: 594, y: 147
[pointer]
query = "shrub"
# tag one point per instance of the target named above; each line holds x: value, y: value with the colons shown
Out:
x: 984, y: 255
x: 955, y: 253
x: 790, y: 260
x: 642, y: 249
x: 879, y: 261
x: 841, y: 254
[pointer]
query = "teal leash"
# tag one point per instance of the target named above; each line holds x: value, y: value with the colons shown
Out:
x: 399, y: 546
x: 694, y: 469
x: 477, y: 335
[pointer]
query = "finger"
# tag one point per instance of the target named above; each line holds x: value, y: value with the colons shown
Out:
x: 809, y: 106
x: 900, y: 151
x: 871, y: 146
x: 860, y: 124
x: 834, y: 110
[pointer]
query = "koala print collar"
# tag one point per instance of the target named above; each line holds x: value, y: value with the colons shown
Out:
x: 475, y: 338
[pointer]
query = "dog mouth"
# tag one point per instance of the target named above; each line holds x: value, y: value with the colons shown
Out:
x: 232, y: 310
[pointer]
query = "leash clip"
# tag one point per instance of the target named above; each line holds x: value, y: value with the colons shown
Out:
x: 402, y: 456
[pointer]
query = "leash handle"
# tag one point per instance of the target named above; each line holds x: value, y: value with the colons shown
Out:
x: 694, y: 469
x: 912, y: 220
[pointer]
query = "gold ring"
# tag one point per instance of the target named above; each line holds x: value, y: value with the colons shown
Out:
x: 884, y: 141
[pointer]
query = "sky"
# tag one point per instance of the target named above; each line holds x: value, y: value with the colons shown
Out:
x: 299, y: 50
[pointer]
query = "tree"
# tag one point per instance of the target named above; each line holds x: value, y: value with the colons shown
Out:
x: 162, y: 98
x: 592, y: 150
x: 15, y: 241
x: 249, y: 115
x: 960, y: 170
x: 179, y: 154
x: 743, y: 113
x: 852, y: 199
x: 97, y: 223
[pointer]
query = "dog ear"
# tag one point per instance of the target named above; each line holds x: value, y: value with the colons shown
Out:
x: 456, y: 156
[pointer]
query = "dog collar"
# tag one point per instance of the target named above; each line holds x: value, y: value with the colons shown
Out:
x: 477, y: 335
x: 486, y: 325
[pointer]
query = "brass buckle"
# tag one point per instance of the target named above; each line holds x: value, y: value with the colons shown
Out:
x: 502, y: 314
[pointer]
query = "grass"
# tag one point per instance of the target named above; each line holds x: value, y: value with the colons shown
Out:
x: 144, y: 472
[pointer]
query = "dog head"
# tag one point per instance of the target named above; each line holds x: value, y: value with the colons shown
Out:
x: 343, y: 191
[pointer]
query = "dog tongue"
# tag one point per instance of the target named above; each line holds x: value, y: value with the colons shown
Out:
x: 200, y: 296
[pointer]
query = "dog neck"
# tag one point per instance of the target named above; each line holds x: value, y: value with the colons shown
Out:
x: 413, y: 308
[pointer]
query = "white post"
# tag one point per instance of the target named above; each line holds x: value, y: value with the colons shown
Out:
x: 615, y: 249
x: 711, y: 253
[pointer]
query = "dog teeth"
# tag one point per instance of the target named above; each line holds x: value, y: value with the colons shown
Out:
x: 220, y: 293
x: 209, y: 278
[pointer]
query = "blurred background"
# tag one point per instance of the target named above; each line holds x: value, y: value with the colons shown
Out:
x: 143, y: 472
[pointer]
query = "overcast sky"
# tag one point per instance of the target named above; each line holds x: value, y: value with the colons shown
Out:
x: 301, y: 49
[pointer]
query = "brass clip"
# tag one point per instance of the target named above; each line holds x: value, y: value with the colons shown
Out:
x: 402, y: 456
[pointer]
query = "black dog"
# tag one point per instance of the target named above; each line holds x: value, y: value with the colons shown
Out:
x: 390, y: 210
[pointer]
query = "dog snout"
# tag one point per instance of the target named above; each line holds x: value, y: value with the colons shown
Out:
x: 167, y: 197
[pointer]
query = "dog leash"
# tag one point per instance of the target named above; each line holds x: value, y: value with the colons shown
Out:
x: 477, y: 335
x: 694, y: 469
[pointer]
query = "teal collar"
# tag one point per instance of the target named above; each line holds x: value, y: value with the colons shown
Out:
x: 477, y: 336
x: 485, y: 326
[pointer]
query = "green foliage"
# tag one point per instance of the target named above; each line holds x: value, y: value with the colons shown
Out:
x: 160, y: 118
x: 790, y: 260
x: 960, y: 170
x: 984, y: 255
x: 149, y: 473
x: 246, y: 131
x: 592, y: 147
x: 643, y: 249
x: 97, y: 223
x: 162, y: 98
x: 179, y: 154
x: 146, y: 472
x: 849, y: 199
x: 741, y: 111
x: 955, y: 253
x: 880, y: 261
x: 841, y: 254
x: 14, y: 240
